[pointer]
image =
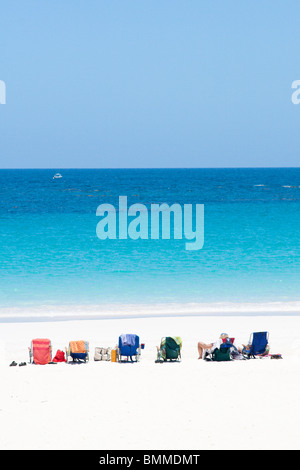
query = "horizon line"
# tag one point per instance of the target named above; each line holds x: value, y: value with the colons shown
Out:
x: 156, y: 168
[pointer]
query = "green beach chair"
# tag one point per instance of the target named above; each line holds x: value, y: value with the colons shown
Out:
x: 170, y: 349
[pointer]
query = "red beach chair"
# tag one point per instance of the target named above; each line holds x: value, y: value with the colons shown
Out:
x: 40, y: 351
x: 225, y: 340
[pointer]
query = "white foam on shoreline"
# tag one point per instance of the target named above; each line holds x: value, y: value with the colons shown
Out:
x: 115, y: 310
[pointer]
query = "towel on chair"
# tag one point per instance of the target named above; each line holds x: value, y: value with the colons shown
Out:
x: 78, y: 347
x: 128, y: 340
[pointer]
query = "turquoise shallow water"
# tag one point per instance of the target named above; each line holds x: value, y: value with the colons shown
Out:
x: 51, y: 255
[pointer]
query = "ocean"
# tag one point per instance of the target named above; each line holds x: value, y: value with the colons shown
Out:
x: 51, y: 259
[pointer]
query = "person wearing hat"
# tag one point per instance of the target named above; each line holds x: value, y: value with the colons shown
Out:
x: 208, y: 348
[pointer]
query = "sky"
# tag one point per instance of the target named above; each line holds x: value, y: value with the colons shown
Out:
x: 149, y: 84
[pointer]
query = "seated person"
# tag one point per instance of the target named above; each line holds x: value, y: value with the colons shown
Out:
x: 247, y: 348
x: 208, y: 348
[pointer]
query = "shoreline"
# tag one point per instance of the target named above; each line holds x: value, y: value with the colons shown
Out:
x: 118, y: 311
x: 69, y: 318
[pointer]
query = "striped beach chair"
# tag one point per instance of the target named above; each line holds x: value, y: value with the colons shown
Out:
x: 40, y: 351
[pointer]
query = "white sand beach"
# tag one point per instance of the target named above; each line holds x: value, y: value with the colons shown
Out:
x: 194, y: 404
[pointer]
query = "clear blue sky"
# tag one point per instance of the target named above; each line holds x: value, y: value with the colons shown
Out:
x: 149, y: 83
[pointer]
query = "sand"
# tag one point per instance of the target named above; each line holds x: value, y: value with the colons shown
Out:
x: 190, y: 405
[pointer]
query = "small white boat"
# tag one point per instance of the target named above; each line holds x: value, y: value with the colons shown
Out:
x: 57, y: 175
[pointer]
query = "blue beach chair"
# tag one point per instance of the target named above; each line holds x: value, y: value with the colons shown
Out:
x: 258, y: 345
x: 129, y: 347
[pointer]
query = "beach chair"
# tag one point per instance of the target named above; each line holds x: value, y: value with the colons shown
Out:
x: 170, y: 349
x: 129, y: 347
x: 40, y: 351
x: 258, y: 345
x: 78, y: 351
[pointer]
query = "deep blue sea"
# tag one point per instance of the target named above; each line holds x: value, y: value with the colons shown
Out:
x: 51, y: 256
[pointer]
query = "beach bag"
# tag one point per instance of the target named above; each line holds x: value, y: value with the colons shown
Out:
x: 222, y: 354
x: 102, y: 354
x: 237, y: 356
x: 59, y: 356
